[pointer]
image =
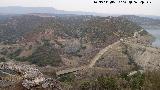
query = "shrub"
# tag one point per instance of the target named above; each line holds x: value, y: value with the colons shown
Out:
x: 152, y: 80
x: 68, y: 78
x: 137, y: 81
x: 85, y: 85
x: 2, y: 59
x: 107, y: 83
x: 15, y: 53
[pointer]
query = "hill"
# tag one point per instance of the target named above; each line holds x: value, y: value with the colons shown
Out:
x: 146, y: 22
x: 75, y: 52
x: 70, y: 38
x: 50, y: 10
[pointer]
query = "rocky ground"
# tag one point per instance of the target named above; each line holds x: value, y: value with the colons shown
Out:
x: 27, y: 75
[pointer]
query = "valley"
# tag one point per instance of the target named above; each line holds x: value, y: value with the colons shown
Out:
x: 77, y: 52
x: 156, y: 34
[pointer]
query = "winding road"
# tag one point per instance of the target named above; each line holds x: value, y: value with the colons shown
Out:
x: 92, y: 63
x: 97, y: 57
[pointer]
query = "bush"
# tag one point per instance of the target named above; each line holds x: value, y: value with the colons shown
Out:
x: 68, y: 78
x: 137, y: 81
x: 107, y: 83
x: 85, y: 85
x: 152, y: 80
x: 2, y: 59
x: 15, y: 53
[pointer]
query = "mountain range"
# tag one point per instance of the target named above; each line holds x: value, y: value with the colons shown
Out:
x: 51, y: 10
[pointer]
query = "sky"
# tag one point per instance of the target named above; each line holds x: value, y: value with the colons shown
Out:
x: 89, y: 6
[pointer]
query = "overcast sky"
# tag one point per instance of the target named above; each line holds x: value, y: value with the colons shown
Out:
x: 88, y: 5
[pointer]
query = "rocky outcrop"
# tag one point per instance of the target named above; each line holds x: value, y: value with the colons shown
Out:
x: 30, y: 76
x: 146, y: 57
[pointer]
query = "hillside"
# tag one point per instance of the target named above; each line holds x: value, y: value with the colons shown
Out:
x: 145, y: 22
x: 73, y: 52
x: 73, y: 36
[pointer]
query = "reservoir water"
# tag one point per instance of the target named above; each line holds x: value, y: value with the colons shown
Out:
x: 156, y: 34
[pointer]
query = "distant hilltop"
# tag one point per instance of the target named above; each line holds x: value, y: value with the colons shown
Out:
x: 25, y: 10
x: 51, y: 10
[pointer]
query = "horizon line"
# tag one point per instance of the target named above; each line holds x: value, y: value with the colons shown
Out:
x: 80, y: 11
